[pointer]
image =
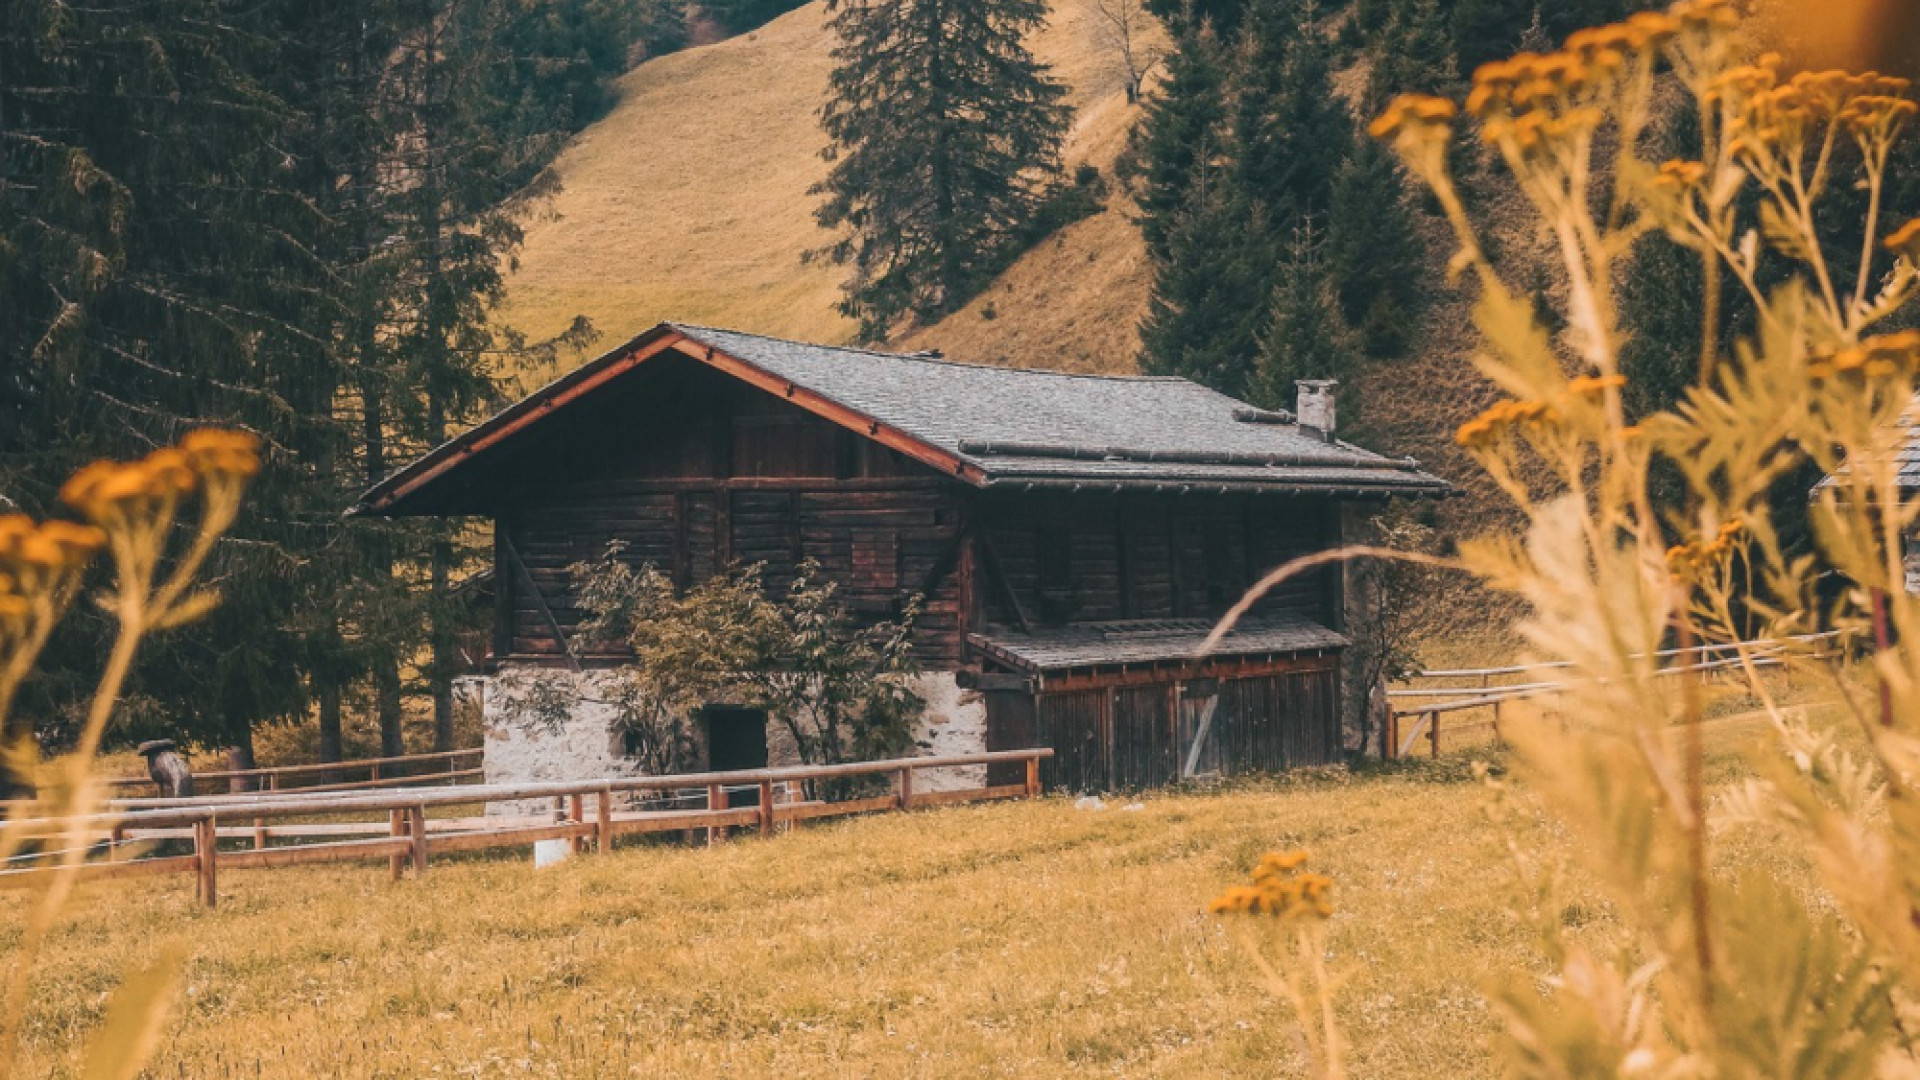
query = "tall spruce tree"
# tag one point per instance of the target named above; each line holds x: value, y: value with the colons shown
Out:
x: 1290, y: 130
x: 1209, y: 299
x: 1414, y: 52
x: 210, y: 214
x: 1180, y: 131
x: 945, y: 133
x: 1304, y: 338
x: 1373, y: 254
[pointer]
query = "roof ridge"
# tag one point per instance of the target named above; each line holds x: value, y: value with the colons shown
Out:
x: 925, y: 358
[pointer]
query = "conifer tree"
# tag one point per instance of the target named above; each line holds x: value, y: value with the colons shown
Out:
x: 1373, y: 254
x: 1290, y: 130
x: 1180, y: 131
x: 1209, y: 298
x: 945, y: 133
x: 1303, y: 338
x: 1414, y: 51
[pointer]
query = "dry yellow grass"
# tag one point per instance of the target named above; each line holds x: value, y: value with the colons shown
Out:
x: 689, y: 201
x: 1027, y: 939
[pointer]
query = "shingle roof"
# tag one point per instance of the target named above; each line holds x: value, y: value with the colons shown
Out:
x: 1021, y: 425
x: 1908, y: 454
x: 1091, y: 645
x: 991, y: 426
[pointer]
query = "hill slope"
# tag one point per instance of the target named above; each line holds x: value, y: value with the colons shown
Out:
x: 689, y: 201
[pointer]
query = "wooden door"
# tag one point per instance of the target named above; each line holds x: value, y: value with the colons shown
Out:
x: 1010, y: 726
x: 736, y: 740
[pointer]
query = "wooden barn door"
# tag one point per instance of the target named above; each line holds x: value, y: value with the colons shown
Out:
x: 1073, y: 725
x: 1011, y: 725
x: 1143, y: 737
x: 1276, y: 722
x: 1200, y: 728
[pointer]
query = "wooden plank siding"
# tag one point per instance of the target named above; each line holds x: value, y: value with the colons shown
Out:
x: 1101, y: 557
x: 1129, y: 738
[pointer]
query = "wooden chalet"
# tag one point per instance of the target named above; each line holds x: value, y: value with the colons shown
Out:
x: 1075, y: 536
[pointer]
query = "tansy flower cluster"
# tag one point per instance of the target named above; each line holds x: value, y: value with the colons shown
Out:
x: 1279, y: 889
x: 112, y: 493
x: 1419, y: 126
x: 1773, y: 123
x: 40, y: 559
x: 1905, y: 241
x: 1888, y: 356
x: 1692, y: 562
x: 1490, y: 427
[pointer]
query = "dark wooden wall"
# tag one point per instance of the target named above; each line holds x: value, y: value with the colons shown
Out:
x: 1140, y: 736
x: 691, y: 470
x: 1093, y: 558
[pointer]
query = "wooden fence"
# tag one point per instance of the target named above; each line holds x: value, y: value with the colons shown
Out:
x: 1420, y: 703
x: 407, y: 770
x: 395, y: 825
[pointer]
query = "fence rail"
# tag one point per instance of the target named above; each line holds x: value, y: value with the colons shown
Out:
x: 1413, y: 701
x: 380, y: 772
x: 406, y: 837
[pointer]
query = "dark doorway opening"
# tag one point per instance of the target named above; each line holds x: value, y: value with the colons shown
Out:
x: 736, y: 739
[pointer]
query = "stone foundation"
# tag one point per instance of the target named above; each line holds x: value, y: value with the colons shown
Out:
x: 525, y: 743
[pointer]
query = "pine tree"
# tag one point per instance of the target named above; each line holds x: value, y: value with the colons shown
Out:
x: 1373, y: 253
x: 1290, y: 129
x: 945, y: 132
x: 1303, y: 338
x: 1415, y: 53
x: 1209, y: 301
x: 1180, y: 131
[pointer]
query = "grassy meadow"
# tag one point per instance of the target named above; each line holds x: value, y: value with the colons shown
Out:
x: 1018, y: 939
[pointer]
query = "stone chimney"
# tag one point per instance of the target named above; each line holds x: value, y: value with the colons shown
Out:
x: 1315, y: 406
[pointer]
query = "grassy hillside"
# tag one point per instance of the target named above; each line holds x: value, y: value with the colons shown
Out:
x: 690, y: 202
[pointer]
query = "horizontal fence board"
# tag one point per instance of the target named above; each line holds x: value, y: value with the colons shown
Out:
x: 491, y: 838
x: 967, y: 795
x: 306, y: 854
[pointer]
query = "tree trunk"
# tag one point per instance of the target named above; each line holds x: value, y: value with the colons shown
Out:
x: 386, y: 692
x: 331, y: 744
x: 441, y: 676
x: 239, y: 757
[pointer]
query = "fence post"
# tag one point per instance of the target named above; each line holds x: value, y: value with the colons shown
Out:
x: 577, y: 813
x: 766, y: 807
x: 116, y: 836
x: 1390, y: 746
x: 716, y: 800
x: 396, y: 826
x: 417, y: 828
x: 603, y: 821
x: 1033, y: 777
x: 1433, y: 731
x: 1496, y: 721
x: 906, y: 788
x: 206, y: 847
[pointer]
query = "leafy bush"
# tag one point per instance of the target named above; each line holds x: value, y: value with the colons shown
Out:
x: 844, y: 692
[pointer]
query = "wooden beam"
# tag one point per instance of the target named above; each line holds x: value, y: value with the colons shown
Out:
x: 540, y: 601
x: 992, y: 559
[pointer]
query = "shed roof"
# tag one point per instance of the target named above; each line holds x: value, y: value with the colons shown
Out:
x: 1907, y: 454
x: 1091, y: 645
x: 987, y: 426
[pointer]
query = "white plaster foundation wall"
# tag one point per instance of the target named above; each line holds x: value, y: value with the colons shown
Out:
x: 955, y: 723
x: 518, y: 750
x: 585, y: 746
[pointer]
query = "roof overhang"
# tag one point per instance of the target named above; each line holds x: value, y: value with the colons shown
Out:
x: 390, y: 497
